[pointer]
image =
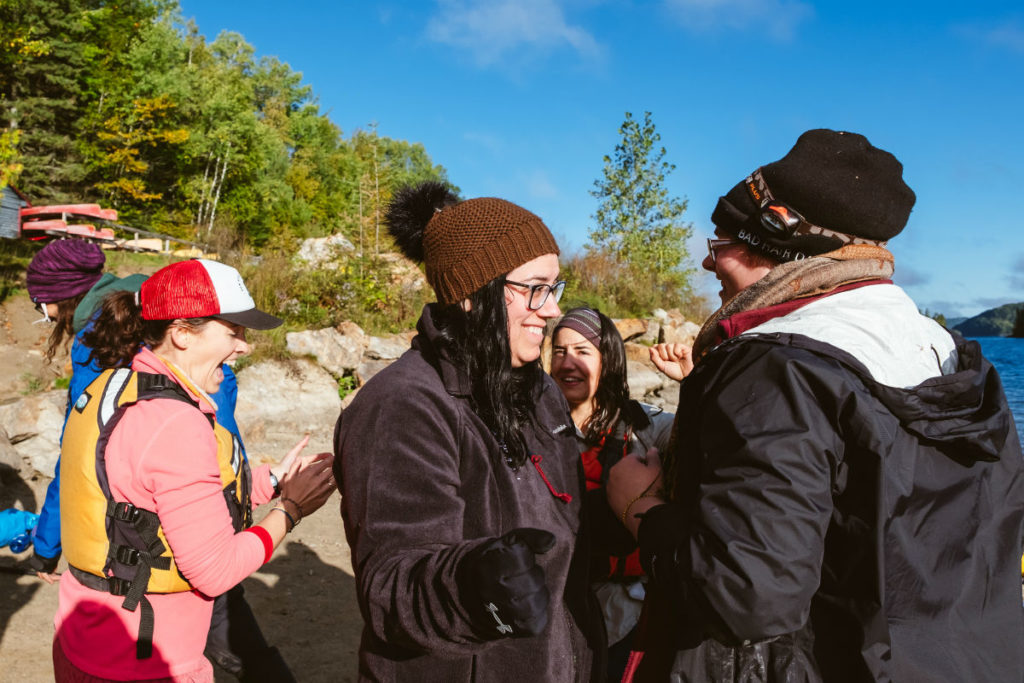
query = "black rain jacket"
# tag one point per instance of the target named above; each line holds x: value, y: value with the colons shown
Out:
x: 830, y: 528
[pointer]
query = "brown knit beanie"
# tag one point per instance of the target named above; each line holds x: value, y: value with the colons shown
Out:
x: 465, y: 245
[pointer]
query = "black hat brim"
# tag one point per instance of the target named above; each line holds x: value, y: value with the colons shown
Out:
x: 253, y: 319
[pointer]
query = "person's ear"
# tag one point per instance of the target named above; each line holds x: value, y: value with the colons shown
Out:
x: 467, y: 305
x: 180, y: 336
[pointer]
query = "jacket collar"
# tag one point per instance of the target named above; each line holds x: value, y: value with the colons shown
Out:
x: 428, y: 342
x: 147, y: 361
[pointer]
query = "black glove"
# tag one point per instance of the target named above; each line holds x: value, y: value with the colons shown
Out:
x: 47, y: 565
x: 503, y: 586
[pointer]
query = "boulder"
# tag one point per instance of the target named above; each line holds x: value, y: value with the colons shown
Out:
x: 279, y: 401
x: 638, y: 352
x: 336, y: 352
x: 11, y: 460
x: 367, y: 369
x: 387, y: 348
x: 683, y: 332
x: 631, y: 328
x: 33, y: 426
x: 323, y: 252
x: 642, y: 380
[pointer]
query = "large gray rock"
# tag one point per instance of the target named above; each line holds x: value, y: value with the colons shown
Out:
x: 631, y: 328
x: 33, y: 425
x: 682, y: 331
x: 336, y: 352
x: 642, y: 380
x: 387, y: 348
x: 324, y: 252
x: 368, y: 369
x: 279, y: 401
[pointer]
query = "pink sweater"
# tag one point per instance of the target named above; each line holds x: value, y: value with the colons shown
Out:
x: 162, y: 456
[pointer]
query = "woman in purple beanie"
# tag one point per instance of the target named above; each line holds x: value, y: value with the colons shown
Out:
x: 58, y: 278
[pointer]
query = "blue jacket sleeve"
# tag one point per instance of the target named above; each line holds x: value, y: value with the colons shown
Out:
x: 47, y: 538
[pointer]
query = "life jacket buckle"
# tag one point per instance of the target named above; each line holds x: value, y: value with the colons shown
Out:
x: 118, y: 586
x: 127, y: 555
x: 126, y: 512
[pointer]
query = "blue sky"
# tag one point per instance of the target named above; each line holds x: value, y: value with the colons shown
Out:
x: 522, y: 98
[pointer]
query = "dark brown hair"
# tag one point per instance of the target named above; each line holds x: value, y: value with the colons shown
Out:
x: 119, y: 331
x: 63, y: 328
x: 612, y: 395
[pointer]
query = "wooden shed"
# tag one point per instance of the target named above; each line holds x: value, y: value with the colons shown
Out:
x: 11, y: 203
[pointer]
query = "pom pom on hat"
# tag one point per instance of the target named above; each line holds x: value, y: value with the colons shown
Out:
x: 465, y: 245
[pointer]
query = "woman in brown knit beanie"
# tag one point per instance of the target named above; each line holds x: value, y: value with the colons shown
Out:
x: 459, y: 470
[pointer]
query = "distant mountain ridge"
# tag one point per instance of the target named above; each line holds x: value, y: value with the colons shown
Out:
x: 995, y: 322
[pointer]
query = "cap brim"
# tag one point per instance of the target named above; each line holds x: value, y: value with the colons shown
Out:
x: 253, y: 319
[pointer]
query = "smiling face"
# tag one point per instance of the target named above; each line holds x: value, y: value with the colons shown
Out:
x: 735, y: 266
x: 575, y: 367
x: 526, y: 327
x: 201, y: 351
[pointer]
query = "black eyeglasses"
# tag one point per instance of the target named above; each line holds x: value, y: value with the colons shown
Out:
x: 538, y: 295
x: 714, y: 245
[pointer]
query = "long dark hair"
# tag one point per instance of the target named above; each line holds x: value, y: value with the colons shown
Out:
x: 477, y: 340
x: 63, y: 327
x: 120, y: 331
x: 611, y: 400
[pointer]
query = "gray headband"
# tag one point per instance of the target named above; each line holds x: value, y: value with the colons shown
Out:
x: 585, y: 321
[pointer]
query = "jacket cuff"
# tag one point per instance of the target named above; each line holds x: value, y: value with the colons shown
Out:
x: 660, y: 532
x: 47, y: 565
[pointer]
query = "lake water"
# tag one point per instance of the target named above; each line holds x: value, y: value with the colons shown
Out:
x: 1007, y: 355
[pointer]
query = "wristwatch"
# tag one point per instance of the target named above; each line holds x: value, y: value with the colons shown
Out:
x: 276, y: 484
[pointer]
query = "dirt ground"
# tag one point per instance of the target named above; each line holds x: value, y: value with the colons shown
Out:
x: 304, y: 598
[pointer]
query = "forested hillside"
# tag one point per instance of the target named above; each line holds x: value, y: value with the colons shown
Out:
x: 995, y: 322
x: 124, y: 104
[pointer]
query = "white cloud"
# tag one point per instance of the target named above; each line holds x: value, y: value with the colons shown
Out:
x: 779, y: 18
x: 490, y: 30
x: 1007, y: 35
x: 1017, y: 274
x: 906, y: 276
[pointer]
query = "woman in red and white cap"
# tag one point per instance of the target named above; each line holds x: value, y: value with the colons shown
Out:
x: 156, y: 500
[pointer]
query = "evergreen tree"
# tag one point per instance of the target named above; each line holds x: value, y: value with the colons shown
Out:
x: 637, y: 220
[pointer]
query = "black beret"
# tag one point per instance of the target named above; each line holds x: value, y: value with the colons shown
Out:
x: 833, y: 179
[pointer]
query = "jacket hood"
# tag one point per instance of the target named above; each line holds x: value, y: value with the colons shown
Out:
x: 94, y: 298
x: 964, y: 413
x: 939, y: 386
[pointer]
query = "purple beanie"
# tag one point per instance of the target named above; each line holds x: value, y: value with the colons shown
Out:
x: 64, y: 269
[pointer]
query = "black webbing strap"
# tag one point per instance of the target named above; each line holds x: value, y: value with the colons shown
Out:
x: 146, y: 524
x: 144, y: 645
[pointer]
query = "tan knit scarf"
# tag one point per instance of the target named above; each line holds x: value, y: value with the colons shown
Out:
x: 796, y: 280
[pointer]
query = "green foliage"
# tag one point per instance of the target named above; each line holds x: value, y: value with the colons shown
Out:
x: 619, y: 290
x: 995, y: 322
x: 346, y: 385
x: 33, y: 384
x: 366, y: 290
x: 639, y: 237
x: 10, y: 167
x: 15, y: 255
x: 937, y: 317
x: 62, y: 382
x: 125, y: 104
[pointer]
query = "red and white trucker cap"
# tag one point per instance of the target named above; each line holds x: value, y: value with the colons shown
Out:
x: 202, y: 289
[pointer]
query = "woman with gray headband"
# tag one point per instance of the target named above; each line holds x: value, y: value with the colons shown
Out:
x: 588, y: 363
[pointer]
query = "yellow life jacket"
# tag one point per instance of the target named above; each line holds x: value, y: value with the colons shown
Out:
x: 114, y: 546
